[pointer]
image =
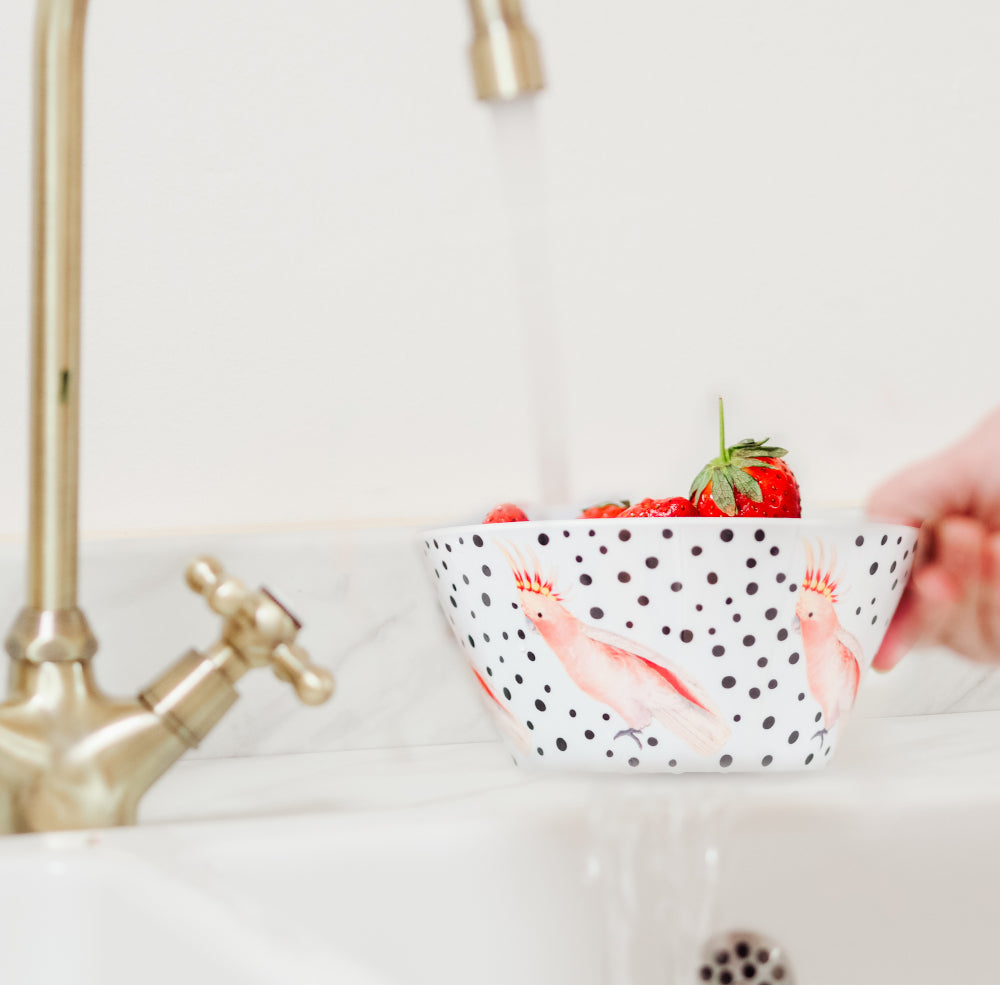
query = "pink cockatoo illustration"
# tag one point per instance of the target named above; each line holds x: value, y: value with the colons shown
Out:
x: 633, y: 680
x: 833, y: 656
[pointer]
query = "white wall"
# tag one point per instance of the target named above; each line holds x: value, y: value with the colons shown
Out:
x: 299, y: 304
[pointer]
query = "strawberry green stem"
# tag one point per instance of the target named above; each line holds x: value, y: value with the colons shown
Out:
x: 723, y: 453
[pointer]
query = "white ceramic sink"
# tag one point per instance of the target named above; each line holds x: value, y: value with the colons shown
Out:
x: 447, y: 865
x: 85, y: 912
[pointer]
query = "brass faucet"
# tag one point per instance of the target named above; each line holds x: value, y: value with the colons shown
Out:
x: 506, y: 63
x: 70, y: 755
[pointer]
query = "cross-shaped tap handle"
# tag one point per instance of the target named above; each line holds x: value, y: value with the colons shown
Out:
x: 260, y: 629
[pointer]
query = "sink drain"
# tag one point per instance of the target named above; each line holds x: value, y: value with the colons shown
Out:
x: 742, y: 958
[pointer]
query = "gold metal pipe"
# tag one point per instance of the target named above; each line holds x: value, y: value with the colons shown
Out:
x: 506, y: 62
x: 55, y: 374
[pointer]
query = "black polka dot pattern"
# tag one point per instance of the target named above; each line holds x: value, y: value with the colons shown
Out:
x: 712, y: 600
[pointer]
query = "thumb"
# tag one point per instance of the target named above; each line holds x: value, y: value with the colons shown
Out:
x: 937, y: 486
x: 952, y: 481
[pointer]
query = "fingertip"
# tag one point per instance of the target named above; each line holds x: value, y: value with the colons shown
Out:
x: 900, y: 635
x: 928, y: 600
x: 888, y: 656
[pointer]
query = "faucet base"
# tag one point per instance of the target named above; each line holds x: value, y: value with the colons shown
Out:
x: 51, y: 635
x: 70, y: 755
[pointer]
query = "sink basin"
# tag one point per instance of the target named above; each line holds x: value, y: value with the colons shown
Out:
x: 448, y: 865
x: 86, y: 912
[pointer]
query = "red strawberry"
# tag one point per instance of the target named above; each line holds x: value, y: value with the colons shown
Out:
x: 676, y: 506
x: 506, y: 513
x: 604, y: 511
x: 748, y: 479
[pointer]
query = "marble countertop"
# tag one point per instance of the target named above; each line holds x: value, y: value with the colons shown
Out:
x: 889, y: 761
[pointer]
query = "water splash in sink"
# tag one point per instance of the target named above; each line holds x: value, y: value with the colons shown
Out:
x: 655, y: 858
x: 519, y: 155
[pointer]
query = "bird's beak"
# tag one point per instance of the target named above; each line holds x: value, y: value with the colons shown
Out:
x: 797, y: 624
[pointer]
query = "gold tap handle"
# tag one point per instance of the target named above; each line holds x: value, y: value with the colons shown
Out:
x: 260, y: 629
x: 225, y: 595
x: 312, y: 684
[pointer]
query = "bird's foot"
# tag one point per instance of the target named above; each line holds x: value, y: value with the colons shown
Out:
x: 633, y: 732
x: 821, y: 735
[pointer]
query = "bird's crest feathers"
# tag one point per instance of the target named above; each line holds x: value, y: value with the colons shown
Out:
x: 816, y: 579
x: 527, y: 577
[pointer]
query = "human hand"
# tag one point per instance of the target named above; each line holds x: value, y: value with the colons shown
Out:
x: 953, y: 597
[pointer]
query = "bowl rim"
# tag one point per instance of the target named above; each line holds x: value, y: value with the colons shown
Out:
x: 832, y: 522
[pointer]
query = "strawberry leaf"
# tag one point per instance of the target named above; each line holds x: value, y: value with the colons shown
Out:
x: 747, y: 485
x: 722, y: 491
x: 748, y: 447
x: 701, y: 480
x: 752, y: 463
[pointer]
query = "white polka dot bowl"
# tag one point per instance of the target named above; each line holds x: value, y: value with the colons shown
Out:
x: 675, y: 645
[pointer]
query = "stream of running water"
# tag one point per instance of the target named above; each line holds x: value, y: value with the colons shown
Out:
x: 522, y: 178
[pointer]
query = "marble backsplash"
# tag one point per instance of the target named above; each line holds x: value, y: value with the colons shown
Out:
x: 370, y: 616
